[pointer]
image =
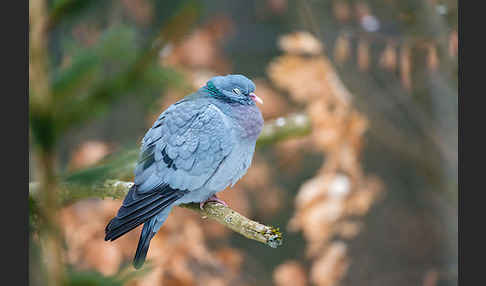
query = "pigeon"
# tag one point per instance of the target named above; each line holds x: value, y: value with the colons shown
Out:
x: 196, y: 148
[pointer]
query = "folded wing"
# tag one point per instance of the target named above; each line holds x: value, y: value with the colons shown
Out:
x: 179, y: 154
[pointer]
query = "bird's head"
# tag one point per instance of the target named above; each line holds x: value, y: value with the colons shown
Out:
x: 233, y: 88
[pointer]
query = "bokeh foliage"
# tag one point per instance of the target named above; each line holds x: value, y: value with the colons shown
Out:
x: 85, y: 77
x: 403, y: 80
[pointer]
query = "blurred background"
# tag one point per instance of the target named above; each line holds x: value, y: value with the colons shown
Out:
x: 365, y: 194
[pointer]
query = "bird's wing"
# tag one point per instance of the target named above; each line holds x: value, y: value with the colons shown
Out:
x: 184, y: 147
x: 180, y: 153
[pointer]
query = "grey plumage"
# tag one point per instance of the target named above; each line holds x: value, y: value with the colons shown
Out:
x: 196, y: 148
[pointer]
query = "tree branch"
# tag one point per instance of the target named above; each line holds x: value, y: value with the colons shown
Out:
x: 224, y: 215
x: 293, y: 125
x: 93, y: 183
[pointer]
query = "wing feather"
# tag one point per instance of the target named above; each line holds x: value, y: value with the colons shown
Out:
x: 179, y: 154
x: 189, y: 142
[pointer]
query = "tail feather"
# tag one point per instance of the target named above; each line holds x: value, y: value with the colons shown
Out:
x: 150, y: 228
x: 118, y: 228
x: 146, y: 236
x: 139, y: 208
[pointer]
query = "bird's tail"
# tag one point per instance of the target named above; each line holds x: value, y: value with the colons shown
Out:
x: 144, y: 243
x: 149, y: 229
x: 139, y: 207
x: 150, y: 208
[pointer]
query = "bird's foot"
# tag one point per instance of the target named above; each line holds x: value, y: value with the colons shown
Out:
x: 213, y: 198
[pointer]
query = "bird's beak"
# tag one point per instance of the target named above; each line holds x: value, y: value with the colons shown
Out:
x: 256, y: 98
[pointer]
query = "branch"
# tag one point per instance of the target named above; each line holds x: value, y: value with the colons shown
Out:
x: 293, y: 125
x: 224, y: 215
x: 93, y: 183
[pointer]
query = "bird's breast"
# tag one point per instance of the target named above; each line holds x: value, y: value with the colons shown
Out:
x: 249, y: 121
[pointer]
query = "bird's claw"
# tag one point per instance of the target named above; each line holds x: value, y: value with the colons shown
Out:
x: 213, y: 198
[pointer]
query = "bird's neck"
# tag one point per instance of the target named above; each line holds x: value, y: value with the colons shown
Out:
x: 248, y: 119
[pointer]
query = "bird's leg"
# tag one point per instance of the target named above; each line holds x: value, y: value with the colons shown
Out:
x: 213, y: 198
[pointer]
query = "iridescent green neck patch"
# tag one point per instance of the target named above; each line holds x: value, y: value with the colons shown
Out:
x: 213, y: 90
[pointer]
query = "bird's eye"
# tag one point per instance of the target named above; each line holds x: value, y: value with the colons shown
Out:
x: 236, y: 90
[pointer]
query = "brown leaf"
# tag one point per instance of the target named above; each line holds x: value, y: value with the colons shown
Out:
x: 230, y: 257
x: 331, y: 266
x: 102, y: 256
x: 290, y: 273
x: 348, y: 229
x: 300, y: 43
x: 303, y: 78
x: 388, y: 58
x: 342, y: 49
x: 363, y: 55
x: 405, y: 67
x: 432, y: 57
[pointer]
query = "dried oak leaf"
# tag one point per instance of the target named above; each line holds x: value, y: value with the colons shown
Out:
x: 304, y: 78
